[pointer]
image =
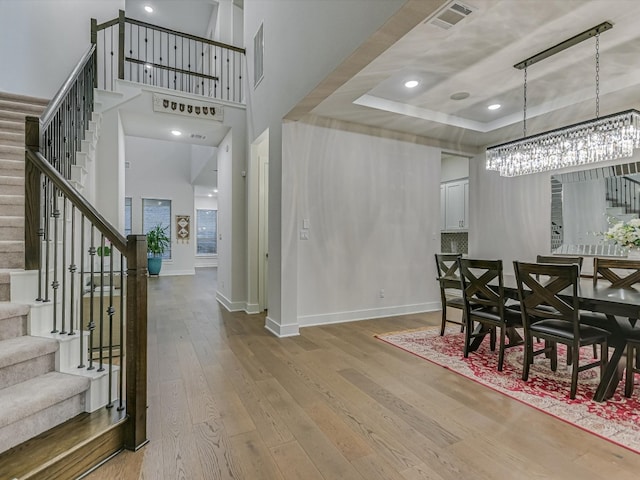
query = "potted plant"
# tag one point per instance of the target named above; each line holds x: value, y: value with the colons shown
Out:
x: 157, y: 243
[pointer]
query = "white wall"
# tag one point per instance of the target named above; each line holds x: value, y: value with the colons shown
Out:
x: 304, y: 41
x: 161, y: 169
x: 454, y: 168
x: 372, y: 207
x: 42, y: 40
x: 584, y: 206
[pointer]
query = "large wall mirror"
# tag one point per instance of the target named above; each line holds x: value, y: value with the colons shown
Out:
x: 588, y: 202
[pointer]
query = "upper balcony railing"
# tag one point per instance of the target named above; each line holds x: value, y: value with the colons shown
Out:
x: 137, y: 51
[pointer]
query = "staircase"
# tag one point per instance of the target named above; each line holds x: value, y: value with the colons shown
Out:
x: 34, y: 396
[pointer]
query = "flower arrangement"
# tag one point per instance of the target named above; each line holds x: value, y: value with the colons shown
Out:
x: 625, y: 234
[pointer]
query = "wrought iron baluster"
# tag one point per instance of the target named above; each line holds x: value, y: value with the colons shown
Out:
x: 72, y: 272
x: 55, y: 284
x: 101, y: 318
x: 91, y: 326
x: 82, y: 291
x: 63, y: 303
x: 121, y: 362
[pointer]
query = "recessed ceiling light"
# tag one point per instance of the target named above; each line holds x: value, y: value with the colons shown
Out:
x: 215, y: 190
x: 459, y: 96
x: 495, y: 106
x: 411, y: 84
x: 148, y: 9
x: 177, y: 133
x: 210, y: 195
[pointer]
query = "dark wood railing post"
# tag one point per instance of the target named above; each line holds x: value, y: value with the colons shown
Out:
x: 32, y: 191
x: 94, y: 41
x: 136, y: 342
x: 121, y: 20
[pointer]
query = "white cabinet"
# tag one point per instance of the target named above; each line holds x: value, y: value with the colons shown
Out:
x: 454, y: 205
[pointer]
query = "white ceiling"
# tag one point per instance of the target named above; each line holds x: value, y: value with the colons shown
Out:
x: 477, y: 56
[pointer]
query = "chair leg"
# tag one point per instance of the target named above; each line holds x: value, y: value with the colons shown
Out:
x: 595, y: 351
x: 554, y: 356
x: 501, y: 351
x: 528, y: 357
x: 574, y: 374
x: 444, y: 319
x: 629, y: 374
x: 492, y: 339
x: 467, y: 339
x: 569, y: 356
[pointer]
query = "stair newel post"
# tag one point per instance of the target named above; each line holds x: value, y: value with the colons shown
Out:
x: 32, y: 206
x: 121, y: 20
x: 136, y: 342
x: 94, y: 60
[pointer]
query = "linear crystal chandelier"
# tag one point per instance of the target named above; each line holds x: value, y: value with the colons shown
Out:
x: 603, y: 138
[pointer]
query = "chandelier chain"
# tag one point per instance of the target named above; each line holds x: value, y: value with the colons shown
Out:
x: 524, y: 121
x: 598, y: 75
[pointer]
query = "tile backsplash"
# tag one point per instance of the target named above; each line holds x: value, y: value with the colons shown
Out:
x: 457, y: 242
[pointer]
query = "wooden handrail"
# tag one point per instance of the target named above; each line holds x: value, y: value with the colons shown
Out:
x: 185, y: 35
x: 61, y: 183
x: 55, y: 103
x: 140, y: 23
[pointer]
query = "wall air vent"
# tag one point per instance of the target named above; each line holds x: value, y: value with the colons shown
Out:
x: 197, y: 136
x: 450, y: 15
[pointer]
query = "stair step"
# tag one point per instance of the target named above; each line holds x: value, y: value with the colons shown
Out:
x: 25, y: 357
x: 8, y: 126
x: 13, y: 320
x: 21, y: 107
x: 12, y: 205
x: 11, y: 116
x: 38, y: 404
x: 11, y: 228
x: 12, y: 138
x: 11, y: 152
x: 16, y: 98
x: 12, y: 167
x: 11, y: 185
x: 5, y: 285
x: 12, y: 253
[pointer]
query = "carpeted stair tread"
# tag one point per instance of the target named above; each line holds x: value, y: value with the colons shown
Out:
x: 21, y: 107
x: 27, y: 398
x: 11, y: 167
x: 11, y: 199
x: 11, y: 116
x: 20, y: 349
x: 17, y: 98
x: 8, y: 310
x: 12, y: 138
x: 9, y: 126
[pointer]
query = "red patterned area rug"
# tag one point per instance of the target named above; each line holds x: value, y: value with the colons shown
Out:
x: 616, y: 420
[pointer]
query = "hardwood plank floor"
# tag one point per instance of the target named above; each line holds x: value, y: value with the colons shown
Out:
x: 227, y: 400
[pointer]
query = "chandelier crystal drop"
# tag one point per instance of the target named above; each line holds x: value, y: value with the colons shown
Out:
x: 605, y: 138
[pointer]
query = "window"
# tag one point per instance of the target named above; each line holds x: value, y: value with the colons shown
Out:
x: 157, y: 211
x: 127, y: 216
x: 206, y: 235
x: 258, y: 56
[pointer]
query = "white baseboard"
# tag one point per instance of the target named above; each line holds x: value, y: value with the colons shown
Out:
x: 281, y: 331
x: 352, y: 316
x: 229, y: 305
x: 252, y: 308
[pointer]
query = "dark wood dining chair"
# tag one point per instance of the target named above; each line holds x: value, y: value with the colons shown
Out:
x: 566, y: 260
x: 485, y: 309
x: 622, y: 273
x: 561, y: 323
x: 447, y: 268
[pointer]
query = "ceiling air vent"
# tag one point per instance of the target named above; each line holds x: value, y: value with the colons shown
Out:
x: 450, y: 15
x: 197, y: 136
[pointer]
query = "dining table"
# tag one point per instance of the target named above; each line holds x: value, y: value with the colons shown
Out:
x: 601, y: 298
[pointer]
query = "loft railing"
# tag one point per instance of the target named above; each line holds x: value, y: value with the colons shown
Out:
x: 137, y: 51
x: 66, y: 240
x: 623, y: 192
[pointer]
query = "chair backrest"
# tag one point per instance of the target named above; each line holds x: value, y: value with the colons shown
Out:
x: 482, y: 284
x: 559, y: 289
x: 558, y: 260
x: 621, y: 273
x: 447, y: 264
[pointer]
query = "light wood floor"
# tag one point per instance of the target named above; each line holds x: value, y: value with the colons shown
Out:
x: 229, y: 400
